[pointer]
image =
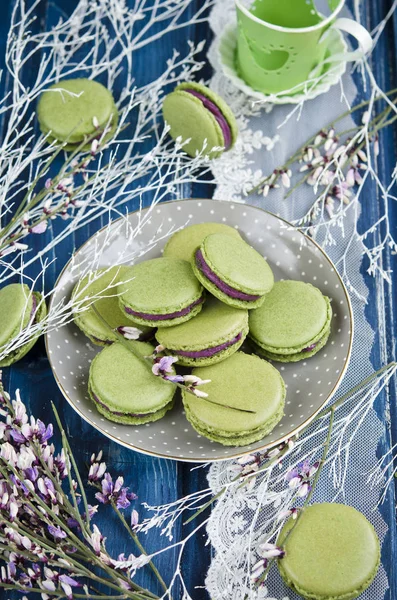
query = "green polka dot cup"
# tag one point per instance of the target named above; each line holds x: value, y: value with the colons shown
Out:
x: 282, y: 44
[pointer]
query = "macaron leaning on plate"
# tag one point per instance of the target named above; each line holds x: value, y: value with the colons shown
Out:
x: 232, y: 271
x: 73, y: 110
x: 99, y: 291
x: 332, y: 553
x: 123, y: 387
x: 293, y: 323
x: 242, y: 383
x: 161, y: 292
x: 19, y: 308
x: 183, y: 243
x: 214, y: 335
x: 196, y: 113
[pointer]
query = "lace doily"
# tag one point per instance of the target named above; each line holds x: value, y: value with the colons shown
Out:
x: 267, y: 138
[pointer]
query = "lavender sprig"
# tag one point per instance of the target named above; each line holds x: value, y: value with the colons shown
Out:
x: 330, y: 159
x: 62, y: 186
x: 49, y: 543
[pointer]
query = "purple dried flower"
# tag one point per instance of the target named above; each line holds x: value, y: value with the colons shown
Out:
x: 57, y: 532
x: 114, y: 492
x: 48, y: 183
x: 268, y: 550
x: 163, y: 365
x: 39, y: 228
x: 97, y: 471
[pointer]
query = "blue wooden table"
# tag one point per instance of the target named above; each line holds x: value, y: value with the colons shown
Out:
x: 159, y: 481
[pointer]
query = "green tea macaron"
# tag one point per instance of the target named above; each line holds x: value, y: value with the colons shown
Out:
x: 244, y: 382
x: 196, y: 113
x: 333, y: 553
x: 123, y: 387
x: 183, y: 243
x: 104, y: 289
x: 215, y: 334
x: 19, y: 308
x: 232, y: 271
x: 161, y: 292
x: 74, y: 109
x: 293, y: 323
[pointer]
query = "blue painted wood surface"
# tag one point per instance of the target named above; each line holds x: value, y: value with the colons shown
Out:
x: 158, y: 481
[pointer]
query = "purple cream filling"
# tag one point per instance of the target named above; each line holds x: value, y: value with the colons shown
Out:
x: 117, y: 413
x: 226, y: 289
x: 223, y: 124
x: 210, y: 351
x: 309, y: 348
x: 34, y: 308
x: 174, y: 315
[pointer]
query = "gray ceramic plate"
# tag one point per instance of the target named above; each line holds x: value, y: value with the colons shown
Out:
x: 291, y: 255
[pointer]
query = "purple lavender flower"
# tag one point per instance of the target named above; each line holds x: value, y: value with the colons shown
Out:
x: 115, y: 492
x: 268, y: 550
x: 97, y: 471
x: 163, y: 365
x: 57, y: 532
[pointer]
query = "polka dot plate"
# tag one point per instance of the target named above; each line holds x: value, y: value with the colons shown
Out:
x: 291, y: 254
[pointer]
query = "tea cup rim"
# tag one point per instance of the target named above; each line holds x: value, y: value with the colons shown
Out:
x: 280, y: 28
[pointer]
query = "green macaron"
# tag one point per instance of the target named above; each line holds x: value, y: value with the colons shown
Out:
x: 100, y: 292
x: 196, y: 113
x: 183, y: 243
x: 216, y: 333
x: 242, y: 382
x: 123, y: 387
x: 293, y: 323
x: 72, y: 110
x: 19, y: 308
x: 232, y: 271
x: 333, y: 553
x: 161, y: 292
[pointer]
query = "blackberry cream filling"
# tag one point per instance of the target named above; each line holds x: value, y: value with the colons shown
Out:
x: 309, y: 348
x: 116, y: 412
x: 208, y: 352
x: 174, y: 315
x: 214, y: 110
x: 221, y: 285
x: 33, y: 311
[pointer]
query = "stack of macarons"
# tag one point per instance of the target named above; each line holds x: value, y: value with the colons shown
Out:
x: 207, y: 294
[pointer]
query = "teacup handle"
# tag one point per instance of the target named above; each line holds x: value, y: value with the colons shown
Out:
x: 362, y: 36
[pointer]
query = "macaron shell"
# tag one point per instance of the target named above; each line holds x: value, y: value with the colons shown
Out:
x: 160, y: 286
x: 237, y: 264
x: 218, y: 101
x: 15, y: 310
x: 126, y: 384
x: 71, y: 147
x: 216, y: 324
x: 70, y: 117
x: 333, y: 553
x: 129, y: 420
x: 108, y: 306
x: 293, y: 316
x: 243, y: 382
x: 190, y: 120
x: 183, y: 243
x: 297, y: 356
x: 41, y: 313
x: 242, y: 439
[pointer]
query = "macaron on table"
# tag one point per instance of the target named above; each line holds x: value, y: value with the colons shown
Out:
x: 19, y: 308
x: 73, y: 110
x: 252, y: 403
x: 333, y: 553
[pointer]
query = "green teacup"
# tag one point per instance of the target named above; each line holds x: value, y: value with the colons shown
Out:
x: 282, y: 44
